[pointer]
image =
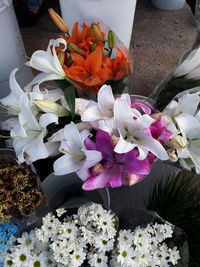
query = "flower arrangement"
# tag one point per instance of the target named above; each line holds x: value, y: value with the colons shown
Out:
x: 81, y: 62
x: 88, y: 237
x: 182, y: 119
x: 145, y: 247
x: 19, y: 192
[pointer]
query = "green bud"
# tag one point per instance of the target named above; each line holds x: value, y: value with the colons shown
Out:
x: 51, y: 107
x: 74, y: 48
x: 111, y: 39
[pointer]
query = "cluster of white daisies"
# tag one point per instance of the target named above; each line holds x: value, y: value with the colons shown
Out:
x: 89, y: 236
x: 145, y: 247
x: 67, y: 240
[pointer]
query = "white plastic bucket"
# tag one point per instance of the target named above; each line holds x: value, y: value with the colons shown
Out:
x: 168, y: 4
x: 117, y: 14
x: 11, y: 48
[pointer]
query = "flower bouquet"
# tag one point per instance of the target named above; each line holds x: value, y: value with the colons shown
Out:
x: 91, y: 236
x: 81, y: 62
x: 182, y: 119
x: 111, y: 142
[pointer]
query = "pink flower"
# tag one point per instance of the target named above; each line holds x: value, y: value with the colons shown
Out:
x: 115, y: 169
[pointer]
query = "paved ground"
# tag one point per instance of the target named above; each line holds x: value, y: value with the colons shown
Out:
x: 159, y: 39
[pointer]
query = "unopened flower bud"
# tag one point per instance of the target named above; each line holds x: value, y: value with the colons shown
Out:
x: 111, y: 39
x: 51, y: 107
x: 178, y: 142
x: 133, y: 179
x: 74, y: 48
x: 114, y: 140
x: 61, y: 57
x: 69, y: 61
x: 94, y: 46
x: 172, y: 155
x: 60, y: 23
x: 96, y: 33
x: 98, y: 168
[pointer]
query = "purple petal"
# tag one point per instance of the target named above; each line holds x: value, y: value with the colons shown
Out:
x: 104, y: 144
x: 130, y: 164
x: 111, y: 177
x: 89, y: 144
x: 138, y: 104
x: 158, y: 131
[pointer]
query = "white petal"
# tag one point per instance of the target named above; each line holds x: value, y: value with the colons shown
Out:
x: 123, y: 146
x: 190, y: 63
x: 13, y: 98
x: 73, y: 138
x: 18, y: 131
x: 92, y: 158
x: 27, y: 113
x: 189, y: 126
x: 81, y: 105
x: 83, y: 174
x: 36, y: 149
x: 66, y: 164
x: 40, y: 78
x: 127, y: 98
x: 194, y: 74
x: 146, y: 121
x: 47, y: 119
x: 142, y: 153
x: 19, y: 146
x: 52, y: 148
x: 195, y: 154
x: 122, y: 112
x: 108, y: 125
x: 84, y: 134
x: 189, y: 103
x: 83, y: 126
x: 150, y: 144
x: 58, y: 136
x: 91, y: 114
x: 106, y: 101
x: 8, y: 124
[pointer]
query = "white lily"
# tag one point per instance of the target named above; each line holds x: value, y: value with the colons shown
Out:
x: 187, y: 103
x: 28, y: 134
x: 190, y: 65
x: 77, y: 158
x: 131, y: 126
x: 48, y: 63
x: 12, y: 101
x: 190, y: 129
x: 104, y: 108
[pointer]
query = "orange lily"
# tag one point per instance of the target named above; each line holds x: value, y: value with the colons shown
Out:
x: 121, y: 66
x: 90, y: 71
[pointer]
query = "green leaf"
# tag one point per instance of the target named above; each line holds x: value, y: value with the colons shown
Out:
x: 70, y: 96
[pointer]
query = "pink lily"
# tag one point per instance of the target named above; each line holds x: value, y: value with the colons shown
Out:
x: 115, y: 169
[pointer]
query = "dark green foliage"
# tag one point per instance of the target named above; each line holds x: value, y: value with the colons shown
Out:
x: 70, y: 94
x: 177, y: 200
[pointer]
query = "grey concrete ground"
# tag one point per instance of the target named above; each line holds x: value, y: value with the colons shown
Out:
x: 159, y: 39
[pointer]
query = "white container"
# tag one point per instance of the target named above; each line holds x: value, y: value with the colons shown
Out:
x: 117, y: 14
x: 11, y: 48
x: 168, y: 4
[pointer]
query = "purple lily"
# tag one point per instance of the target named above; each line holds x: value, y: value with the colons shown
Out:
x: 115, y: 169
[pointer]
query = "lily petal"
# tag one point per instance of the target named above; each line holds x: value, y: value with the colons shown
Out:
x: 189, y: 126
x: 67, y: 164
x: 47, y: 119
